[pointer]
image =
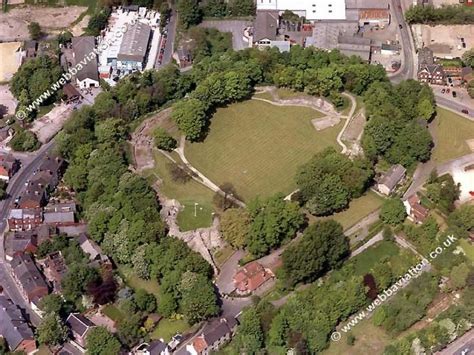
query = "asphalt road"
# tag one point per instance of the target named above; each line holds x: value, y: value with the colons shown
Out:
x: 14, y: 188
x: 408, y: 64
x: 455, y: 106
x: 169, y: 47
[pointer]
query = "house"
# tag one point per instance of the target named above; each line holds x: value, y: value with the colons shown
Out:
x: 19, y: 242
x: 82, y: 48
x: 388, y: 181
x: 90, y: 248
x: 156, y: 347
x: 59, y: 218
x: 21, y: 219
x: 134, y: 46
x: 251, y: 277
x: 184, y: 57
x: 415, y: 211
x: 29, y: 279
x: 455, y: 73
x: 61, y: 207
x: 8, y: 166
x: 14, y: 327
x: 432, y: 74
x: 80, y: 327
x: 219, y: 333
x: 312, y: 10
x: 265, y: 28
x: 55, y: 269
x: 374, y: 17
x: 44, y: 180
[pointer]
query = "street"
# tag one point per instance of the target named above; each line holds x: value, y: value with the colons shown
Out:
x: 169, y: 47
x: 14, y: 188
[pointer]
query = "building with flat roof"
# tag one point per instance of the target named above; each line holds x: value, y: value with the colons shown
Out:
x: 310, y: 9
x: 133, y: 49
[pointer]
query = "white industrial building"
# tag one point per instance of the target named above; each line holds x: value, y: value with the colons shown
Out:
x: 310, y: 9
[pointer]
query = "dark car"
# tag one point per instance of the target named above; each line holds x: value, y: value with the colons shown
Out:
x: 454, y: 94
x: 465, y: 111
x: 400, y: 26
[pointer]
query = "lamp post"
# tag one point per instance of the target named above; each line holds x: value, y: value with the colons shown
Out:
x: 195, y: 209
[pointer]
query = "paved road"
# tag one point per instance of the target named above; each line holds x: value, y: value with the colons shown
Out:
x: 462, y: 346
x: 408, y: 63
x: 454, y: 105
x: 14, y: 188
x: 169, y: 48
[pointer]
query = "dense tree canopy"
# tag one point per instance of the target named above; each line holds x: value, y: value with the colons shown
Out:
x: 272, y: 221
x: 234, y: 226
x: 100, y: 342
x: 323, y: 247
x: 330, y: 180
x: 394, y: 131
x: 393, y: 211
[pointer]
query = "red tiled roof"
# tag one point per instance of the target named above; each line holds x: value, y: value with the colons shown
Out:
x: 199, y: 344
x: 251, y: 277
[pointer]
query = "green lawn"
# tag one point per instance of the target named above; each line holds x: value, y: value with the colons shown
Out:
x: 451, y: 131
x: 468, y: 249
x: 368, y: 259
x: 132, y: 280
x: 257, y: 147
x: 187, y: 194
x: 358, y: 209
x: 113, y: 313
x: 169, y: 327
x: 369, y: 340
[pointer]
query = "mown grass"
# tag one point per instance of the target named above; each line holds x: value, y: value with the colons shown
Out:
x: 187, y: 194
x: 451, y: 132
x: 169, y: 327
x: 358, y: 209
x: 258, y: 147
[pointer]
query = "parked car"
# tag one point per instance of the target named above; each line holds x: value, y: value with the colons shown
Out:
x: 465, y: 111
x: 448, y: 90
x: 400, y: 26
x: 454, y: 93
x: 464, y: 44
x: 443, y: 91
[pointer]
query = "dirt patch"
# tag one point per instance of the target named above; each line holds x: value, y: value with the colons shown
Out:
x: 7, y: 99
x: 10, y: 57
x: 326, y: 122
x: 142, y: 140
x: 470, y: 143
x: 14, y: 23
x: 445, y: 41
x: 78, y: 29
x: 47, y: 126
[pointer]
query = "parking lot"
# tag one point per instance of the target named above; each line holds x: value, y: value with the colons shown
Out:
x: 444, y: 41
x: 236, y: 27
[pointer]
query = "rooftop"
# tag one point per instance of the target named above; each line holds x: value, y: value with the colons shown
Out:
x: 393, y: 176
x: 13, y: 326
x: 135, y: 43
x: 83, y: 46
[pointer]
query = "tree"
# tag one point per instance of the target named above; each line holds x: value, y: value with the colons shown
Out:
x: 191, y: 118
x: 52, y: 330
x: 215, y: 8
x: 163, y: 140
x: 24, y: 141
x: 198, y: 298
x: 3, y: 189
x: 98, y: 21
x: 52, y: 303
x: 234, y: 226
x: 35, y: 30
x: 189, y: 13
x: 167, y: 305
x: 272, y: 221
x: 100, y: 342
x: 129, y: 329
x: 393, y: 211
x: 459, y: 275
x: 76, y: 280
x: 249, y: 338
x: 322, y: 248
x: 145, y: 301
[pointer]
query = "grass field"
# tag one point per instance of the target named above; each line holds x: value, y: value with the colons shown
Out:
x: 451, y: 132
x: 113, y: 313
x: 257, y: 147
x: 169, y: 327
x: 358, y: 209
x: 187, y: 194
x: 468, y: 249
x: 151, y: 286
x: 369, y: 340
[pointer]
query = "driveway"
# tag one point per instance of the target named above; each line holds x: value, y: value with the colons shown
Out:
x: 236, y: 27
